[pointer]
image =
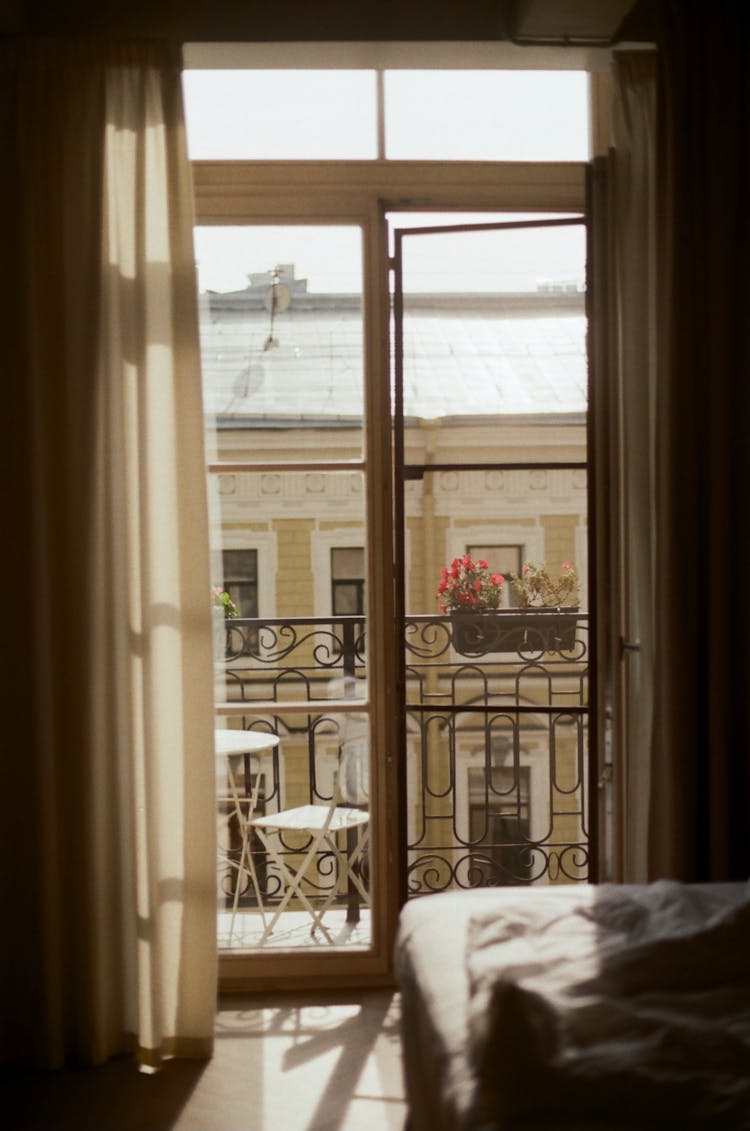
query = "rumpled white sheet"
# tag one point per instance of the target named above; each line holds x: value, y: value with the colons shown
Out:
x: 635, y: 1005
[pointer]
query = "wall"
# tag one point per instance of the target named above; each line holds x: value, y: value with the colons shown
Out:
x: 335, y: 20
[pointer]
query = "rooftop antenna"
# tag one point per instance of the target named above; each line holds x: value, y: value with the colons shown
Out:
x: 277, y: 299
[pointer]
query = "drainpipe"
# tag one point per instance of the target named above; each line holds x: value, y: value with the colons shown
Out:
x: 431, y: 574
x: 429, y: 579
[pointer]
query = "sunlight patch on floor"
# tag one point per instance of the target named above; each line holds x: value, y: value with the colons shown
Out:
x: 293, y: 930
x: 317, y: 1062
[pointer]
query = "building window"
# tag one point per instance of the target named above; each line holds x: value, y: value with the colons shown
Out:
x: 348, y: 581
x: 499, y: 826
x: 507, y: 560
x: 241, y: 579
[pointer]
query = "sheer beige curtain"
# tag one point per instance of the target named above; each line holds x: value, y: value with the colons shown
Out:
x: 634, y: 375
x: 109, y: 877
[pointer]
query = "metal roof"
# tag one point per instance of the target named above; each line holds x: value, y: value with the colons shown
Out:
x: 464, y: 356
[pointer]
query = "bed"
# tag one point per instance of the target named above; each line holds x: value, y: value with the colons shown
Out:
x: 605, y: 1008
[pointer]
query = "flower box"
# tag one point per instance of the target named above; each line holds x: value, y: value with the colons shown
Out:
x: 525, y: 631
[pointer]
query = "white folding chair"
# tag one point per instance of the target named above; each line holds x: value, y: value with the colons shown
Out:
x: 322, y: 823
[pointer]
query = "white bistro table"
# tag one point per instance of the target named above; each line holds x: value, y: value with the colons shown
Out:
x: 231, y: 746
x: 228, y: 742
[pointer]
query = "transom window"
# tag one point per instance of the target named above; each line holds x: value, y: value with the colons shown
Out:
x: 399, y: 114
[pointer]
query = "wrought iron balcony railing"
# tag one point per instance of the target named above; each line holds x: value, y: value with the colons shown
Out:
x: 496, y: 721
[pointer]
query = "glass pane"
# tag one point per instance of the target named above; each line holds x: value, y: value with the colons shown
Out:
x: 496, y: 626
x: 275, y: 779
x: 281, y: 341
x: 506, y: 520
x: 294, y: 652
x: 497, y: 698
x: 288, y: 521
x: 347, y: 597
x: 505, y: 560
x: 495, y: 327
x: 348, y: 562
x: 240, y: 581
x: 496, y: 799
x: 240, y: 565
x: 292, y: 115
x: 487, y: 115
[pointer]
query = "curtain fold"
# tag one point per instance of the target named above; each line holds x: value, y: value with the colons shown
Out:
x: 110, y: 882
x: 700, y: 794
x: 634, y: 376
x: 682, y: 239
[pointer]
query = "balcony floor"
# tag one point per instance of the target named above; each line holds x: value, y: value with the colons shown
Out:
x: 293, y: 930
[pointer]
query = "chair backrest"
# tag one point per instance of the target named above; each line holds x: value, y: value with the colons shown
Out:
x: 354, y: 733
x: 354, y: 771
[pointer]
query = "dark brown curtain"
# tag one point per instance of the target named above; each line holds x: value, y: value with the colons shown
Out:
x: 629, y: 501
x: 700, y: 798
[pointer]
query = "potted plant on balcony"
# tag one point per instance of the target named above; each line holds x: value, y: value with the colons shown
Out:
x: 472, y: 595
x: 537, y: 589
x: 223, y: 608
x: 467, y: 590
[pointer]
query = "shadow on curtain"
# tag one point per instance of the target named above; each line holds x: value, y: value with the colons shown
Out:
x: 109, y: 883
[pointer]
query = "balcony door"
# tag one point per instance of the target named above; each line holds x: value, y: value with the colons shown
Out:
x: 310, y: 510
x: 491, y: 434
x: 290, y: 444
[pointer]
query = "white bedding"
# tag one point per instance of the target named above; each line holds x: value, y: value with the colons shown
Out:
x: 441, y: 986
x: 637, y: 1000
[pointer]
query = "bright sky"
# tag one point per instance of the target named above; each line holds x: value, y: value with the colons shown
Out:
x: 430, y: 115
x: 330, y: 258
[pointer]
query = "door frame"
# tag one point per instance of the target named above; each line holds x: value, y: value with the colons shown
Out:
x: 362, y: 192
x: 405, y: 472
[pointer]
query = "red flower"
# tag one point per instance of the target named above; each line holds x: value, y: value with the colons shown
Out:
x: 468, y: 583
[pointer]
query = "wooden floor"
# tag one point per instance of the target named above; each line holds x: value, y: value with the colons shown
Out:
x: 314, y: 1062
